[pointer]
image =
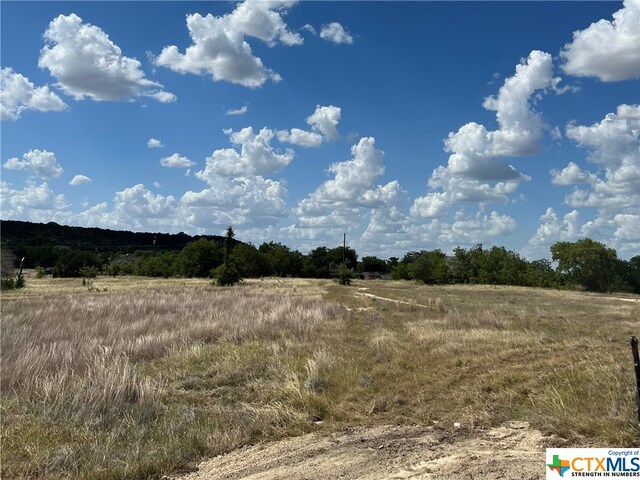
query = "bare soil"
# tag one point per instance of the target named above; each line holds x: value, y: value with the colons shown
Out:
x: 511, y: 451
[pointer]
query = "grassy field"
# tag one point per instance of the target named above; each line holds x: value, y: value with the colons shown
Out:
x: 138, y: 378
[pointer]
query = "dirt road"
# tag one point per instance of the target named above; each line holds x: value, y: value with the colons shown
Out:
x: 511, y: 451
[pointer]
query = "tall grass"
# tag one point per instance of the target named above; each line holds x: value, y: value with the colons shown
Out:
x: 73, y: 367
x: 46, y: 336
x: 139, y: 384
x: 109, y: 388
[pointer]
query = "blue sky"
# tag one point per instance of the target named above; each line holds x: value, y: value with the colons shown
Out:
x: 408, y: 125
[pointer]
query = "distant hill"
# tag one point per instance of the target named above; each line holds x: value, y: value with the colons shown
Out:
x: 21, y: 236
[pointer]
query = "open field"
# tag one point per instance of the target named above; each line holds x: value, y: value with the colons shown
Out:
x: 140, y: 378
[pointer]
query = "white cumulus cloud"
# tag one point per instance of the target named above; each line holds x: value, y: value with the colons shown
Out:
x: 464, y: 230
x: 467, y: 231
x: 243, y: 202
x: 616, y: 230
x: 476, y: 171
x: 339, y: 203
x: 352, y: 178
x: 177, y: 161
x: 614, y: 146
x: 18, y: 94
x: 432, y: 205
x: 37, y: 203
x: 309, y: 28
x: 255, y: 157
x: 137, y: 203
x: 323, y: 122
x: 79, y: 180
x: 607, y: 49
x: 87, y: 63
x: 154, y: 143
x: 570, y: 175
x: 334, y: 32
x: 300, y: 137
x: 625, y: 238
x: 237, y: 111
x: 552, y: 229
x: 220, y: 47
x: 42, y: 162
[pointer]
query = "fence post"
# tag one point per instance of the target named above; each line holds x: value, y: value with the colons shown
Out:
x: 636, y: 365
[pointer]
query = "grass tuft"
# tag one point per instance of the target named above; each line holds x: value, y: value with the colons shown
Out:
x: 319, y: 371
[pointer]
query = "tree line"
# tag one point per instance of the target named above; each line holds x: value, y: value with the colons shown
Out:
x: 585, y: 263
x: 43, y: 243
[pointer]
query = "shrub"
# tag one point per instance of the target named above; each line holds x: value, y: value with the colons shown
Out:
x: 12, y: 283
x: 39, y: 272
x: 345, y: 274
x: 89, y: 272
x: 400, y: 272
x: 226, y: 275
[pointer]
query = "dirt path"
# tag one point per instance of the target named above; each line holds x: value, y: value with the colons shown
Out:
x: 377, y: 297
x: 371, y: 295
x: 633, y: 300
x: 511, y: 451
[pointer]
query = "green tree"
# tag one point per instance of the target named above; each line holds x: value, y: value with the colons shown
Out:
x: 8, y: 279
x: 198, y: 258
x: 504, y: 267
x: 297, y: 263
x: 540, y: 273
x: 477, y: 260
x: 227, y: 274
x: 164, y: 264
x: 71, y: 263
x: 460, y: 266
x: 373, y: 264
x: 7, y: 263
x: 281, y: 261
x: 339, y: 255
x: 586, y: 262
x: 628, y: 275
x: 123, y: 265
x: 39, y: 251
x: 318, y: 264
x: 89, y: 272
x: 634, y: 273
x: 400, y: 272
x: 249, y: 261
x: 277, y: 257
x: 429, y: 267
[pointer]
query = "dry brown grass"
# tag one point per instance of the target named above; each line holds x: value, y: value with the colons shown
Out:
x: 560, y: 360
x: 73, y: 362
x: 47, y: 335
x: 146, y: 378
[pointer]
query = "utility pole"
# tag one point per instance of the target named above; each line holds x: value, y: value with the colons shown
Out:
x: 344, y: 249
x: 636, y: 367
